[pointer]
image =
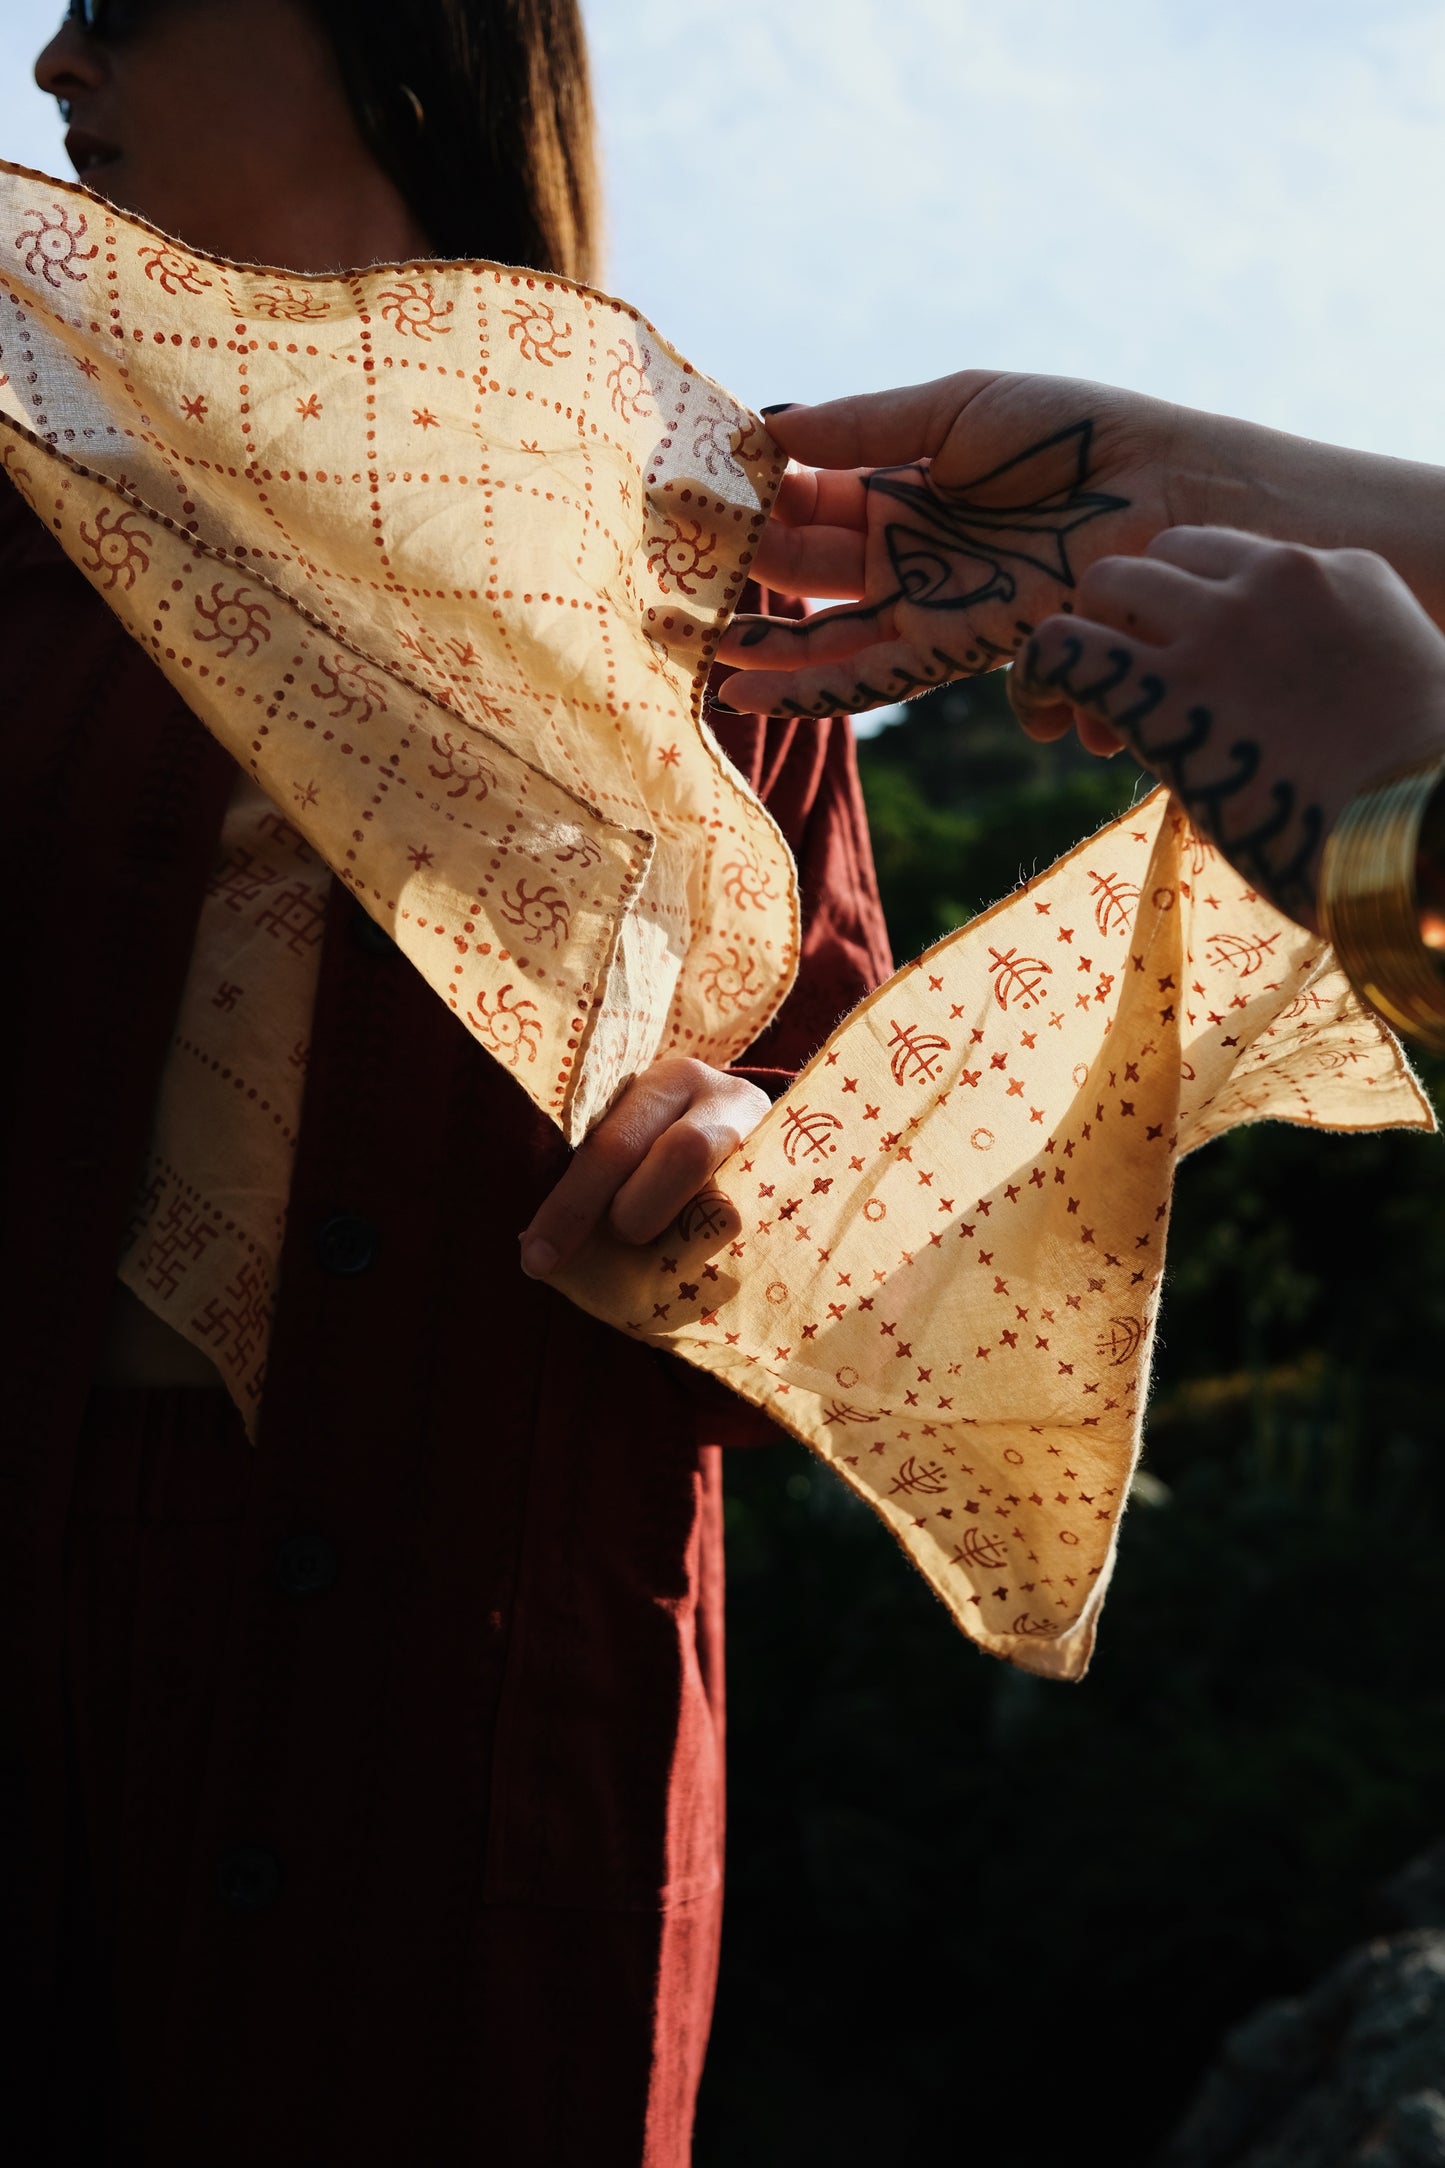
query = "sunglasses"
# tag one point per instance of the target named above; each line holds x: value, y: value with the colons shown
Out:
x: 106, y: 18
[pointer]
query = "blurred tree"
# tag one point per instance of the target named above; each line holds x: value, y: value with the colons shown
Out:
x: 972, y: 1912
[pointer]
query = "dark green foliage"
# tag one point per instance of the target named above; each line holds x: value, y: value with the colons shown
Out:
x: 939, y: 1865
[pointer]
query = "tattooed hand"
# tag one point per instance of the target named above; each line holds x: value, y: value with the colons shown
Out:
x: 1264, y: 682
x: 1009, y: 486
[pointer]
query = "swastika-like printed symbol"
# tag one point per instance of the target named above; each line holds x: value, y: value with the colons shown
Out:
x: 297, y: 917
x: 237, y: 1322
x: 1018, y: 978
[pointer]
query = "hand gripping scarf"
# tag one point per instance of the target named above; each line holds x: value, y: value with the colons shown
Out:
x: 441, y: 553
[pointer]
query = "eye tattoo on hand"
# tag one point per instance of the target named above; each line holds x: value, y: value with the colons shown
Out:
x: 951, y: 555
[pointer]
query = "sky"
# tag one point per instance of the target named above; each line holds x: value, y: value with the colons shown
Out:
x: 1233, y: 203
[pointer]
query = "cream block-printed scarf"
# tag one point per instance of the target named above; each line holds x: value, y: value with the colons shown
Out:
x: 441, y: 553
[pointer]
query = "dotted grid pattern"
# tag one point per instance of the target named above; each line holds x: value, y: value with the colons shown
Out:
x: 203, y: 1249
x: 441, y: 553
x: 948, y: 1272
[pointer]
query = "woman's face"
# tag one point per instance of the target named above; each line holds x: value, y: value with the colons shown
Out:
x: 224, y: 122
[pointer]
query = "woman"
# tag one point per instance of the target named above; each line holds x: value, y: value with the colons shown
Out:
x: 364, y: 1785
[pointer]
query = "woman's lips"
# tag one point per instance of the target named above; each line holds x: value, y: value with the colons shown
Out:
x: 87, y: 153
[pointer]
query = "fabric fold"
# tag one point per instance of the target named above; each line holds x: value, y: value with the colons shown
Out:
x: 948, y: 1273
x: 441, y: 553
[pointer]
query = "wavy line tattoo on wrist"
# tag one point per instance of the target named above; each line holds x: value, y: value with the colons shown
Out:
x: 950, y: 554
x: 1280, y: 853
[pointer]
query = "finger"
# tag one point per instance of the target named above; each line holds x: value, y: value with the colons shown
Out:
x: 1095, y: 668
x: 1096, y: 736
x: 875, y: 676
x: 1210, y: 553
x: 601, y: 1165
x: 680, y: 1166
x: 1147, y: 597
x: 811, y: 560
x: 808, y: 497
x: 1045, y: 720
x: 1043, y: 716
x: 877, y: 429
x: 791, y: 643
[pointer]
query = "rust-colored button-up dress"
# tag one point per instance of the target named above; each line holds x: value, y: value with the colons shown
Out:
x: 361, y: 1793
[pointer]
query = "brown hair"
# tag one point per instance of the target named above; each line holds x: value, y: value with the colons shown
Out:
x: 481, y: 112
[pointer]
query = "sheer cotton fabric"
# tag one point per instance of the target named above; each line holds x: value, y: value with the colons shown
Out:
x: 203, y: 1248
x: 948, y: 1274
x: 441, y: 554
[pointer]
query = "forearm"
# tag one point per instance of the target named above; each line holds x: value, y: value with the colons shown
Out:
x: 1227, y: 473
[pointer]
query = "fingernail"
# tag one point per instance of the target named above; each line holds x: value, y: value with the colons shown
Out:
x: 723, y: 707
x: 784, y: 406
x: 538, y: 1257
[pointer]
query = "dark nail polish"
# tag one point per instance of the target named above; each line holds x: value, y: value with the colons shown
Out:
x: 720, y: 707
x: 784, y: 406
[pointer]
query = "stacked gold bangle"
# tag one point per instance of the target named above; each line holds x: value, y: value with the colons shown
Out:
x: 1382, y: 899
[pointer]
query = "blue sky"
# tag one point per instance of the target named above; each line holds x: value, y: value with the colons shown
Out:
x: 1230, y: 202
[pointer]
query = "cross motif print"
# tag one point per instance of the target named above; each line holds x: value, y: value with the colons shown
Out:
x: 966, y: 1338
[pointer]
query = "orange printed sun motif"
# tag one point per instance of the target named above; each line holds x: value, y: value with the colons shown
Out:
x: 289, y: 304
x: 173, y: 272
x: 412, y: 308
x: 119, y: 548
x: 718, y: 440
x: 534, y: 325
x: 349, y: 692
x: 510, y: 1028
x: 239, y: 621
x: 462, y: 765
x: 51, y: 246
x: 581, y: 851
x: 543, y: 913
x: 627, y: 381
x: 679, y: 555
x: 744, y: 885
x: 728, y: 979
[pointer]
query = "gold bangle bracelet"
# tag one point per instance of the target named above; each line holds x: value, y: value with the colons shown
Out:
x: 1369, y: 903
